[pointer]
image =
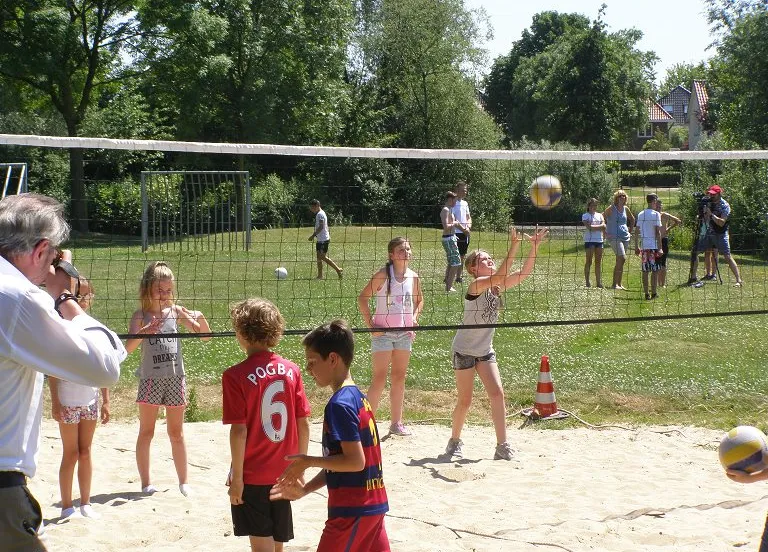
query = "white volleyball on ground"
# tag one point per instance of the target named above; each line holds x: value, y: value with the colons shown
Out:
x: 281, y: 273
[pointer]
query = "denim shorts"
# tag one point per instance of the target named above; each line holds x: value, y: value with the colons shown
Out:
x: 392, y: 341
x: 596, y: 245
x: 465, y: 362
x: 716, y: 241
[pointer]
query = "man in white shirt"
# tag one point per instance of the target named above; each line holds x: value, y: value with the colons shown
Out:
x: 648, y: 244
x: 462, y: 215
x: 43, y: 332
x: 323, y: 240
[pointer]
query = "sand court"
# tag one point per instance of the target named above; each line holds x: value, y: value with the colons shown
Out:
x: 645, y: 489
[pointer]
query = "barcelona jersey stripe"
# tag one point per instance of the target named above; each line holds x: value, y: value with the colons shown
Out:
x: 348, y: 417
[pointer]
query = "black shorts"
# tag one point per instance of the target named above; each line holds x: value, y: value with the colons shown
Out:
x: 662, y: 262
x: 462, y: 240
x: 322, y: 247
x: 258, y: 516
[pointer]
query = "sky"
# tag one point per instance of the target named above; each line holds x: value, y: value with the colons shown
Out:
x: 676, y: 30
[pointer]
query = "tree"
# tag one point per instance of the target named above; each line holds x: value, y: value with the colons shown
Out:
x: 739, y: 103
x: 65, y: 50
x: 578, y: 83
x: 512, y: 107
x: 682, y: 74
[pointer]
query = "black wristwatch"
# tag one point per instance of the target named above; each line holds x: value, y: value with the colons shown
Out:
x: 66, y: 296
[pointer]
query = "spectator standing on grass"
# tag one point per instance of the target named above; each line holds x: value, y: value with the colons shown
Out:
x: 593, y: 241
x: 716, y: 215
x: 462, y: 215
x: 668, y: 222
x: 162, y: 380
x: 450, y: 244
x: 265, y: 403
x: 76, y: 408
x: 399, y: 301
x: 323, y: 240
x: 648, y: 244
x: 43, y: 332
x: 619, y: 222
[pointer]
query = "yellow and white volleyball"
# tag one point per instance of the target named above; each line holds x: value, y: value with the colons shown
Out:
x: 744, y: 448
x: 281, y: 273
x: 546, y: 191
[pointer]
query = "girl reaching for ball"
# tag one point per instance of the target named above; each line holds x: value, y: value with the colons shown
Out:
x: 399, y: 300
x: 473, y: 347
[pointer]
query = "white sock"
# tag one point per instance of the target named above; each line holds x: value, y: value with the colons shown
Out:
x: 185, y: 489
x: 149, y: 489
x: 87, y: 511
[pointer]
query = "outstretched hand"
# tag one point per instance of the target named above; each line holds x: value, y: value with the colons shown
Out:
x: 538, y: 237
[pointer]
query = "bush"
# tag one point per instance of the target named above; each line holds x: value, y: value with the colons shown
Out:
x: 273, y: 202
x: 115, y: 207
x: 650, y: 179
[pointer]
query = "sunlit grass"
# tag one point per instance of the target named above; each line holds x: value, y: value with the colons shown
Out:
x: 706, y: 371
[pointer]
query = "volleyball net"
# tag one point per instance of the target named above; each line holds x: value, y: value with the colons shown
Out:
x: 226, y: 216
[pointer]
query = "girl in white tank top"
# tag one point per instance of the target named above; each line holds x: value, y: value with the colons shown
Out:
x: 473, y: 346
x: 397, y: 291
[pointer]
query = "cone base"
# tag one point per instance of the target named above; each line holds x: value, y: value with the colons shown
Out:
x: 529, y: 413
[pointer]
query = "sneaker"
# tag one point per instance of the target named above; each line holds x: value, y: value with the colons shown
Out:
x: 450, y: 289
x: 87, y: 511
x: 67, y: 512
x: 185, y: 489
x: 709, y: 277
x: 654, y: 295
x: 647, y: 296
x: 503, y: 452
x: 149, y: 490
x: 693, y: 281
x: 738, y: 284
x: 453, y: 450
x: 399, y: 429
x: 459, y: 280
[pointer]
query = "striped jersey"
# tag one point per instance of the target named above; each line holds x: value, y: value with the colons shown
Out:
x: 348, y: 417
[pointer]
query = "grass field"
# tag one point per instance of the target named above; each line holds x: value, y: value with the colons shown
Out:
x: 702, y: 371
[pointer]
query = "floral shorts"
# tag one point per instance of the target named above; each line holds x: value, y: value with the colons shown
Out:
x: 74, y: 414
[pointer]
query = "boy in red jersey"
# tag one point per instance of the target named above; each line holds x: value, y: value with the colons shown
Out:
x: 264, y: 400
x: 351, y: 461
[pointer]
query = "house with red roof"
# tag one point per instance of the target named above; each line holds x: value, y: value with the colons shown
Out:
x: 698, y: 106
x: 659, y: 120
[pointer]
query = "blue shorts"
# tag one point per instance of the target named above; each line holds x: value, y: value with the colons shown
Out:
x: 451, y: 247
x: 716, y: 241
x: 392, y: 341
x: 596, y: 245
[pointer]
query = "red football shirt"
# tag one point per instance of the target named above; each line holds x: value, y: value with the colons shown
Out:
x: 266, y: 393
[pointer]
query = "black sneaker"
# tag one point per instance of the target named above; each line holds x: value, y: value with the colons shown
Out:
x: 709, y: 277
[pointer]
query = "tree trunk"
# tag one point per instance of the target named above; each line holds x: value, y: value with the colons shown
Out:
x: 78, y: 199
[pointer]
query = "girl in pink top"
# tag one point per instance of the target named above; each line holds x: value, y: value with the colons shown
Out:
x: 398, y: 304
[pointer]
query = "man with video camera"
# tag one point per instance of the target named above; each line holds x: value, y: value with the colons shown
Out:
x: 714, y: 217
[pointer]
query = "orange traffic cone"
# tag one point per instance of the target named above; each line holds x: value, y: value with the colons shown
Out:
x: 545, y: 405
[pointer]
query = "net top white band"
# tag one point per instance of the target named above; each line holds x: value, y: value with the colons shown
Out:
x: 380, y: 153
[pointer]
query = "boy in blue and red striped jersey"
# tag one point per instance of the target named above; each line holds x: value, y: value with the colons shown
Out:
x: 351, y: 462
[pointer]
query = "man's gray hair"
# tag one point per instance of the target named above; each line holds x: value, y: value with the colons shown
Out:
x: 25, y: 219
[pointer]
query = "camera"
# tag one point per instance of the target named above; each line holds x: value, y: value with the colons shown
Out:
x: 702, y: 201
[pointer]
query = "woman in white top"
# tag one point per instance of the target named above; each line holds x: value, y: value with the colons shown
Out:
x: 399, y: 301
x: 593, y: 241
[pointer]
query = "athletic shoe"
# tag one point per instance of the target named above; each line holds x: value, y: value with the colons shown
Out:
x: 709, y: 277
x: 459, y: 280
x: 503, y: 452
x: 149, y: 489
x: 67, y: 512
x: 185, y: 489
x: 738, y: 284
x: 87, y: 511
x: 453, y: 450
x: 399, y: 429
